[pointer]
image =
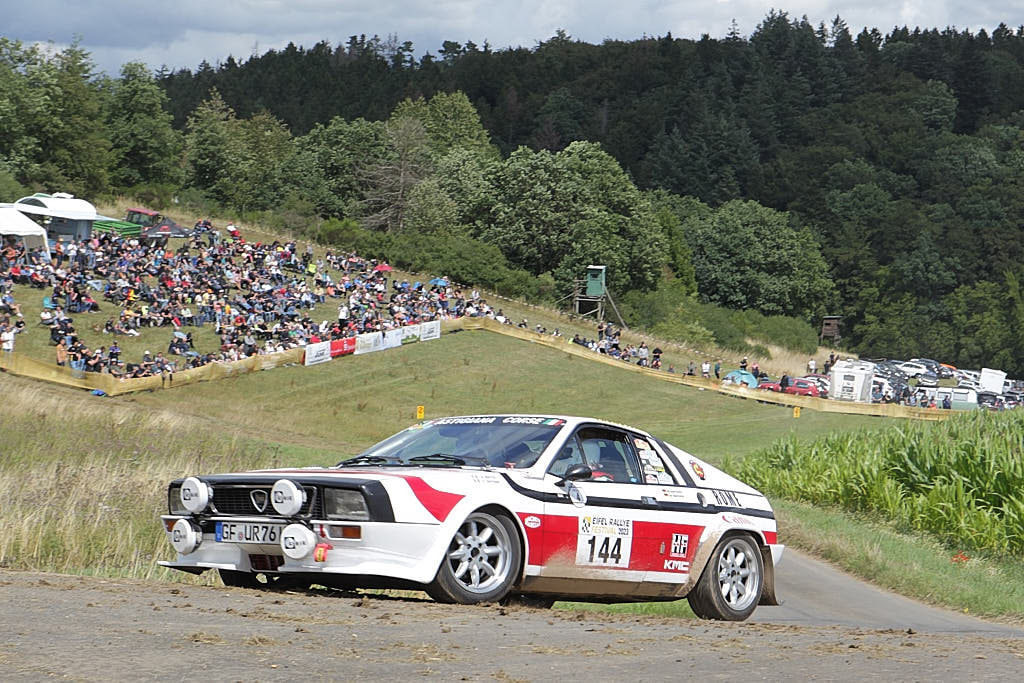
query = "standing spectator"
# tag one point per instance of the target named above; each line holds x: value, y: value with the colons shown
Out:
x: 705, y: 369
x: 6, y: 338
x: 784, y: 382
x: 692, y: 369
x: 946, y: 403
x: 62, y: 353
x: 743, y: 364
x: 812, y: 367
x: 718, y: 369
x: 755, y: 369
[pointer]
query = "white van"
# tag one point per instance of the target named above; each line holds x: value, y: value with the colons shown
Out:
x: 960, y: 398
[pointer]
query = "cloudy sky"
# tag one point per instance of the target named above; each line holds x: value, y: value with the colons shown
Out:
x: 181, y: 33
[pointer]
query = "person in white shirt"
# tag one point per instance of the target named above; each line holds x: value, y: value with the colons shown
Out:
x: 6, y: 339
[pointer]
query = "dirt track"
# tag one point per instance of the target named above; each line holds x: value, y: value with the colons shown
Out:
x: 91, y: 629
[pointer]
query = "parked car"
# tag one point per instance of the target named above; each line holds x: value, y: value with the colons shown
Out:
x: 803, y: 387
x: 821, y: 381
x: 912, y: 368
x: 479, y: 508
x: 990, y: 401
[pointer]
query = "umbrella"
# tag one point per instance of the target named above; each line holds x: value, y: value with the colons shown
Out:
x: 382, y: 268
x: 439, y: 281
x: 180, y: 335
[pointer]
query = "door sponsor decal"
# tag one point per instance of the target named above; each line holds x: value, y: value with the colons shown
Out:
x: 604, y: 542
x: 726, y: 498
x: 576, y: 495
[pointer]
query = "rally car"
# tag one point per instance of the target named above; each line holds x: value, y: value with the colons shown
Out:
x: 486, y: 508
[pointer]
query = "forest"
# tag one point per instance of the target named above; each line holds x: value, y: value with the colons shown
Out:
x: 731, y: 186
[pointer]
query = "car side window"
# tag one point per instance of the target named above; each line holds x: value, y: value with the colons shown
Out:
x: 569, y: 455
x: 608, y: 453
x: 655, y: 469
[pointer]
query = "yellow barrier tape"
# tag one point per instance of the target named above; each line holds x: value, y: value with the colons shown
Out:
x: 19, y: 364
x: 819, y: 404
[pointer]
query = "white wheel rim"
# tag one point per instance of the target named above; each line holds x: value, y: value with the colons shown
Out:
x: 479, y: 555
x: 738, y: 575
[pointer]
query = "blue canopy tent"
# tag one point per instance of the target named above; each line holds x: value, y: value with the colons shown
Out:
x: 741, y: 377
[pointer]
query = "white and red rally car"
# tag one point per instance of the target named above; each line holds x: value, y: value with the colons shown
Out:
x: 487, y: 507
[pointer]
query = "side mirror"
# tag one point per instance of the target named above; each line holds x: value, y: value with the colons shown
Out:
x: 577, y: 472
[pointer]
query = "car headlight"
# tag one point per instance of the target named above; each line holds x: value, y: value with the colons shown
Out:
x: 174, y: 504
x: 345, y: 504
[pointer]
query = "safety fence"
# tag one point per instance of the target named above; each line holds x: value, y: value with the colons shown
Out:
x: 19, y: 364
x: 741, y: 391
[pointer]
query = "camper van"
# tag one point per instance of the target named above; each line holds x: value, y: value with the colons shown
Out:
x: 851, y: 381
x: 960, y: 398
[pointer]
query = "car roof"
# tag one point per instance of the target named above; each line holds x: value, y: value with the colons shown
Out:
x: 569, y: 420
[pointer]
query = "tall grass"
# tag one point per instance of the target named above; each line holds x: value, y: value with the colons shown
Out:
x: 961, y: 481
x: 81, y: 490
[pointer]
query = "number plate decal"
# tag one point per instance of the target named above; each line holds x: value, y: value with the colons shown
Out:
x: 604, y: 542
x: 248, y: 532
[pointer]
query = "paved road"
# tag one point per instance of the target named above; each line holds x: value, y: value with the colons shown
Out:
x: 814, y: 593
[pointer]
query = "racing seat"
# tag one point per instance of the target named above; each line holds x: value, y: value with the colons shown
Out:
x: 611, y: 463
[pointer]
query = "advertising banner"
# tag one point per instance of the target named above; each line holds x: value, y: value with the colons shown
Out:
x: 431, y: 330
x: 410, y: 333
x: 393, y: 338
x: 369, y: 342
x: 317, y: 353
x: 342, y: 347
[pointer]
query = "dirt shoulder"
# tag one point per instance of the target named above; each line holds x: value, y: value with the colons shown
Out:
x: 96, y: 629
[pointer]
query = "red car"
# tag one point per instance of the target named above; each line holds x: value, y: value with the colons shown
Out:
x: 800, y: 387
x: 803, y: 387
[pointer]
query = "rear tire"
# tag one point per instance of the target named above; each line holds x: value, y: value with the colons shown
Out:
x: 481, y: 562
x: 730, y: 587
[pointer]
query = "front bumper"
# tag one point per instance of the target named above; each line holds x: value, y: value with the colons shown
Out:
x: 405, y: 551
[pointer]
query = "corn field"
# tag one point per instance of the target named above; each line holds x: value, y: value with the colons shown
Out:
x: 961, y: 481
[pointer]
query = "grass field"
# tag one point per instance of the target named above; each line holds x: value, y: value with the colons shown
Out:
x: 83, y: 478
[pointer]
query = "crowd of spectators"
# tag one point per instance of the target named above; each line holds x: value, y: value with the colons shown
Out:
x: 609, y: 343
x: 259, y: 297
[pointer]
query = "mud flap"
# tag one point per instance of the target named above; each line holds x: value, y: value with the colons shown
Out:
x: 768, y: 596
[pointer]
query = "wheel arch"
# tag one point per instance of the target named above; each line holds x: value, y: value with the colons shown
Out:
x: 499, y: 509
x: 768, y: 595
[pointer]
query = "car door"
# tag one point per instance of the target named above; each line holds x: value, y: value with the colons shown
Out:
x: 590, y: 527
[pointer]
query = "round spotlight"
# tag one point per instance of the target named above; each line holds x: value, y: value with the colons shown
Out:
x: 297, y: 541
x: 195, y: 495
x: 287, y: 497
x: 185, y: 536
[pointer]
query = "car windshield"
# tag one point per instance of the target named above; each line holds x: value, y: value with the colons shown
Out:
x: 500, y: 441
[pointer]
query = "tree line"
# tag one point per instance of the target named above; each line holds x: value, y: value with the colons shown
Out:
x: 798, y: 172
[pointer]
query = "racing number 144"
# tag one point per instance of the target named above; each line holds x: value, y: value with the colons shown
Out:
x: 603, y: 550
x: 605, y: 554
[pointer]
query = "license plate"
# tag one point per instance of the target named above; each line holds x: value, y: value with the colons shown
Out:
x: 249, y: 532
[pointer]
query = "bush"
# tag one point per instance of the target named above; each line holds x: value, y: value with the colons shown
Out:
x: 673, y: 312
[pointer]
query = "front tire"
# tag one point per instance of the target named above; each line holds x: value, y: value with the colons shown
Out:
x: 481, y: 562
x: 730, y: 587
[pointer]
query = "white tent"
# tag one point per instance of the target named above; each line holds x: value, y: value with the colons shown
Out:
x: 14, y: 222
x: 65, y: 217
